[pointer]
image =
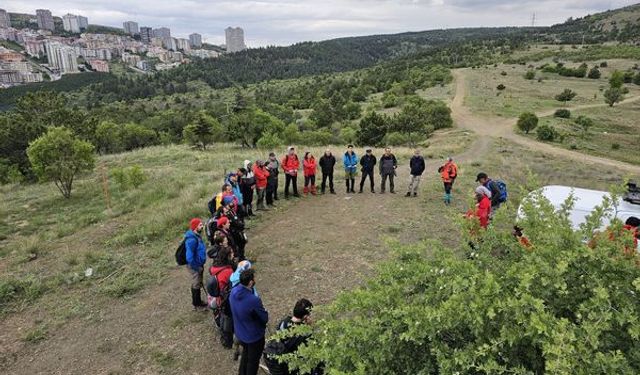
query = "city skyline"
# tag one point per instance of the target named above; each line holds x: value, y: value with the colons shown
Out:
x: 283, y: 22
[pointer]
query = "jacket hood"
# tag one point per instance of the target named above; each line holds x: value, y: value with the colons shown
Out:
x: 191, y: 234
x: 246, y: 164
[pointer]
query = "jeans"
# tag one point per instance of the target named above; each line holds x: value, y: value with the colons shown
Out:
x: 250, y: 360
x: 290, y: 180
x: 364, y: 178
x: 384, y: 182
x: 414, y: 183
x: 324, y: 182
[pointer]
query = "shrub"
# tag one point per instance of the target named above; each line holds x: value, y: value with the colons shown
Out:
x: 617, y: 79
x: 604, y: 64
x: 594, y: 73
x: 316, y: 138
x: 530, y: 75
x: 59, y: 156
x: 562, y: 113
x: 396, y: 139
x: 613, y: 95
x: 501, y: 87
x: 131, y: 177
x: 615, y: 146
x: 546, y: 133
x: 269, y: 141
x: 373, y: 128
x: 527, y: 122
x: 503, y: 73
x: 390, y: 100
x: 566, y: 95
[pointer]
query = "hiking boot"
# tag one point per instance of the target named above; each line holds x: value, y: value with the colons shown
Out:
x: 392, y: 192
x: 415, y: 195
x: 333, y: 192
x: 196, y: 301
x: 408, y: 194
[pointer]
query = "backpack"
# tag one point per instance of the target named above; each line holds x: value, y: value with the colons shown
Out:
x: 212, y: 206
x: 210, y: 228
x: 181, y: 253
x: 502, y: 186
x: 213, y: 286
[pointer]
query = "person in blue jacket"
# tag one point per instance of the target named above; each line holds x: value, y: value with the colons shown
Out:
x: 249, y: 322
x: 196, y: 252
x: 350, y: 161
x: 233, y: 179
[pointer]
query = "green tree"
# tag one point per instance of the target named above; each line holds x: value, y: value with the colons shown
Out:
x: 373, y: 128
x: 616, y: 80
x: 527, y: 122
x: 594, y: 73
x: 203, y: 131
x: 546, y: 133
x: 59, y: 156
x: 269, y: 141
x: 566, y: 95
x: 613, y: 95
x: 108, y: 138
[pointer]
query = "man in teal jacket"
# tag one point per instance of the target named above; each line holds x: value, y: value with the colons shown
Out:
x: 350, y: 161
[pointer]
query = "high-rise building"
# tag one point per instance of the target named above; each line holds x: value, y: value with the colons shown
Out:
x: 235, y: 39
x: 74, y: 24
x: 83, y: 22
x: 5, y: 21
x: 62, y: 57
x: 130, y: 27
x: 183, y: 44
x: 170, y: 43
x: 162, y: 32
x: 45, y: 19
x: 195, y: 40
x: 146, y: 33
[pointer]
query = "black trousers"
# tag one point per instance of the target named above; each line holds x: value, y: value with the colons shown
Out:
x: 364, y: 178
x: 324, y: 182
x: 272, y: 191
x: 290, y: 180
x: 250, y: 359
x: 384, y: 182
x: 447, y: 187
x: 309, y: 180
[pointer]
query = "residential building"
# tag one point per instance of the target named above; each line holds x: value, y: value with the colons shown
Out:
x: 143, y: 65
x: 62, y: 57
x: 162, y: 32
x: 14, y: 69
x: 146, y: 33
x: 195, y: 40
x: 235, y: 39
x: 5, y: 21
x: 203, y: 53
x: 35, y: 47
x: 170, y: 43
x: 156, y: 42
x: 131, y: 28
x: 99, y: 65
x: 183, y: 44
x: 45, y: 19
x: 83, y: 22
x: 130, y: 59
x: 73, y: 23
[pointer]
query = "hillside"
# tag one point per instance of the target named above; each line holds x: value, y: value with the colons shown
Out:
x: 622, y: 25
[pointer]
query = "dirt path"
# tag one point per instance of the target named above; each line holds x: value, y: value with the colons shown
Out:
x: 500, y: 127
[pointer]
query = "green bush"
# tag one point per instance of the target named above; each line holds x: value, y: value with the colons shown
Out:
x: 615, y: 146
x: 546, y: 133
x: 562, y: 113
x: 566, y: 95
x: 390, y: 100
x: 501, y: 87
x: 594, y: 73
x: 555, y: 308
x: 316, y: 138
x: 269, y: 141
x: 131, y: 177
x: 527, y: 122
x: 530, y: 75
x: 396, y: 139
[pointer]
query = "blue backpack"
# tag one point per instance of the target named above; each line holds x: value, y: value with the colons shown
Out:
x: 502, y: 186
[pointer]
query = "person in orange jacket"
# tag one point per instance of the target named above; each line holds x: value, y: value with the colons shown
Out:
x: 309, y: 168
x: 448, y: 173
x: 261, y: 174
x: 290, y: 165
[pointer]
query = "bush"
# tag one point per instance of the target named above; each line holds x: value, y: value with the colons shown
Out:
x: 269, y: 141
x: 373, y: 128
x: 546, y: 133
x: 501, y: 87
x: 390, y: 100
x: 566, y: 95
x: 604, y: 64
x: 316, y: 138
x: 59, y: 156
x: 613, y: 95
x: 562, y: 113
x: 131, y: 177
x: 396, y: 139
x: 594, y: 73
x: 527, y: 122
x: 615, y: 146
x: 503, y: 73
x: 554, y: 308
x: 530, y: 75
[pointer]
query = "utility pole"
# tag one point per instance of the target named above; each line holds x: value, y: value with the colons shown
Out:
x: 533, y: 20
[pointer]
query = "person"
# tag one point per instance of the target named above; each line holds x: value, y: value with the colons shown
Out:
x: 196, y: 254
x: 368, y: 163
x: 522, y: 239
x: 632, y: 224
x: 448, y: 174
x: 483, y: 207
x: 233, y: 179
x: 215, y: 204
x: 493, y: 187
x: 417, y: 166
x: 247, y: 185
x: 222, y: 268
x: 327, y: 162
x: 301, y: 315
x: 309, y: 169
x: 388, y: 165
x: 290, y: 165
x: 250, y: 320
x: 350, y: 162
x: 273, y: 166
x: 261, y: 175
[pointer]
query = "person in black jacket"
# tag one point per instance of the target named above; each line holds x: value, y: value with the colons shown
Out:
x: 368, y: 163
x: 417, y: 166
x: 388, y: 165
x: 327, y: 162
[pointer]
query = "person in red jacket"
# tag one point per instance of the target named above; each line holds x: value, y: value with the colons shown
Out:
x: 261, y: 174
x: 309, y: 168
x: 483, y: 207
x: 290, y: 165
x: 222, y: 269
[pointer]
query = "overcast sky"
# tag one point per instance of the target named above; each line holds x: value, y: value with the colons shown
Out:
x: 283, y: 22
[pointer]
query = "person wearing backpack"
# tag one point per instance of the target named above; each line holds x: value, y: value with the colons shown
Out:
x: 417, y: 166
x: 273, y: 167
x: 249, y: 322
x: 350, y: 163
x: 290, y: 165
x: 448, y: 174
x: 388, y: 165
x: 368, y: 164
x: 327, y: 163
x: 301, y: 315
x: 219, y: 287
x: 247, y: 186
x: 494, y: 188
x: 196, y: 256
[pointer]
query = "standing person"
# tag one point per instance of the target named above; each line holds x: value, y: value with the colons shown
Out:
x: 368, y: 163
x: 327, y: 162
x: 222, y: 269
x: 309, y: 168
x: 196, y: 253
x: 350, y: 162
x: 483, y: 207
x: 247, y: 185
x: 448, y: 173
x: 417, y: 166
x: 233, y: 179
x: 290, y: 165
x: 261, y: 175
x: 273, y: 166
x: 249, y: 322
x: 452, y: 168
x: 493, y: 187
x: 388, y: 165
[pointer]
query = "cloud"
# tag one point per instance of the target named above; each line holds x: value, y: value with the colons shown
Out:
x: 280, y: 22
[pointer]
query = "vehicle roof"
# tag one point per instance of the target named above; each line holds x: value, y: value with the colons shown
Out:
x: 585, y: 199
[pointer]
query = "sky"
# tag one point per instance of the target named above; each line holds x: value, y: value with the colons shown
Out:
x: 284, y: 22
